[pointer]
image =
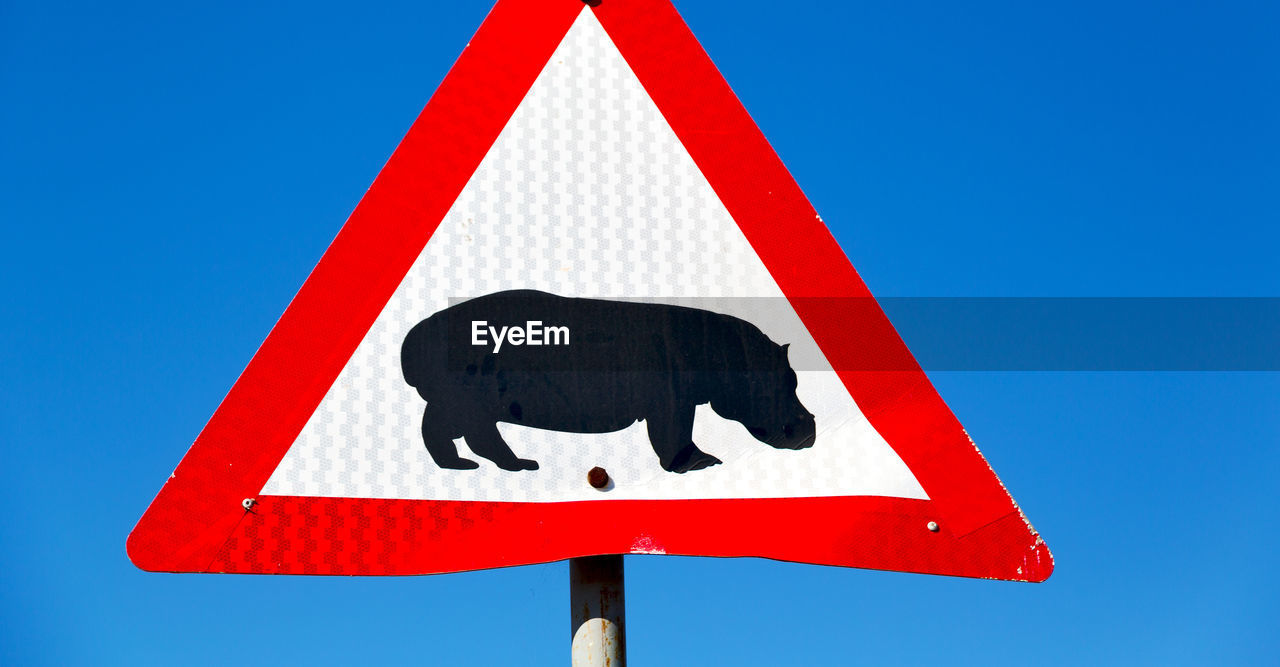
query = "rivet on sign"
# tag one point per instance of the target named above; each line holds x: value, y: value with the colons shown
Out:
x: 597, y: 478
x: 249, y: 503
x: 932, y: 526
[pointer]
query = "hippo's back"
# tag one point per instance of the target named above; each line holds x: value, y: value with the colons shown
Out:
x: 593, y: 338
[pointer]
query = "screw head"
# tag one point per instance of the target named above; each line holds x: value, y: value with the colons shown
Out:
x: 598, y: 478
x: 249, y: 503
x: 932, y: 526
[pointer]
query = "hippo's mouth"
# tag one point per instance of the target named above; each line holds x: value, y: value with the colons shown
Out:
x: 799, y: 434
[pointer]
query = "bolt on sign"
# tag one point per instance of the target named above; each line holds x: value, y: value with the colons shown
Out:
x: 584, y: 291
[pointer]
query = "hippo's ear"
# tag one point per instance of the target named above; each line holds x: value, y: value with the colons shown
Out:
x: 785, y: 349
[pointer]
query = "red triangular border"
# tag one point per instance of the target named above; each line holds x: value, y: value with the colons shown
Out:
x: 197, y: 522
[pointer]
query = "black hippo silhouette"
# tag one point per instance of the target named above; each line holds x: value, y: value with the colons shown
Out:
x: 595, y: 366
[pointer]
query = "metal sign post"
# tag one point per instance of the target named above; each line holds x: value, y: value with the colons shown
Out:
x: 598, y: 609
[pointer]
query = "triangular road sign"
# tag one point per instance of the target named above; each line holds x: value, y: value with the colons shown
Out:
x: 585, y: 151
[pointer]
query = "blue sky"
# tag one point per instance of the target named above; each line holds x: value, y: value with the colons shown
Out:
x: 169, y: 174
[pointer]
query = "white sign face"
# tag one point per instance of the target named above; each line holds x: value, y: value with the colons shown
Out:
x: 587, y: 192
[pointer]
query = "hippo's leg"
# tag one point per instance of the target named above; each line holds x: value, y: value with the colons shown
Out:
x: 438, y: 432
x: 672, y: 439
x: 484, y: 439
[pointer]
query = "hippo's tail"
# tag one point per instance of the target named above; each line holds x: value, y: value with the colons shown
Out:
x: 422, y: 356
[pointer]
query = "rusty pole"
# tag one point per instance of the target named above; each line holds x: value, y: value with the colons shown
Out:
x: 598, y: 610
